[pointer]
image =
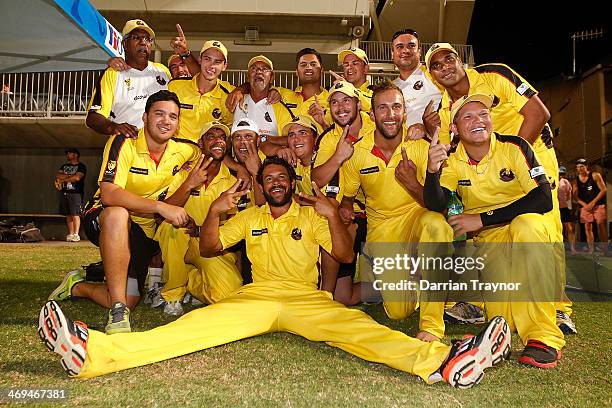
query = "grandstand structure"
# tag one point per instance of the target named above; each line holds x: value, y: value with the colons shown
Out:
x: 43, y: 105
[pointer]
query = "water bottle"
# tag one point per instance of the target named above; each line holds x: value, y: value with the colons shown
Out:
x: 455, y: 207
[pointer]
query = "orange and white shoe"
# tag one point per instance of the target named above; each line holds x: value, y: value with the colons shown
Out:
x: 64, y: 337
x: 468, y: 358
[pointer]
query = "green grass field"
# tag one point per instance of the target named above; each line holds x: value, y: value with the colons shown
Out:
x: 273, y: 370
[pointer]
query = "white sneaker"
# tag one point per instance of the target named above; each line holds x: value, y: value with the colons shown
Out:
x: 76, y: 238
x: 70, y: 238
x: 173, y: 308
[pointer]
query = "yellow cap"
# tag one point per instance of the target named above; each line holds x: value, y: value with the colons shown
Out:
x: 134, y: 24
x: 301, y: 120
x: 173, y: 56
x: 436, y: 48
x: 217, y: 45
x: 209, y: 125
x: 260, y: 58
x: 486, y: 100
x: 358, y: 52
x: 345, y: 87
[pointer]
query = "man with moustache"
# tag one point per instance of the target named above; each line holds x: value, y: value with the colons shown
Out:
x: 335, y: 146
x: 390, y: 171
x: 120, y: 219
x: 419, y: 91
x: 206, y: 279
x: 282, y: 241
x: 119, y: 98
x: 502, y: 209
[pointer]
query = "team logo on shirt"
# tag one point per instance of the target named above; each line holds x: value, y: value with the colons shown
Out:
x: 296, y: 234
x: 160, y: 80
x: 506, y: 175
x: 175, y: 170
x: 418, y: 85
x: 216, y: 113
x: 111, y: 165
x: 267, y: 117
x: 128, y: 83
x: 162, y: 195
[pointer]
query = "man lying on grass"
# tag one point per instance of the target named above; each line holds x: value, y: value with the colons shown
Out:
x: 282, y: 243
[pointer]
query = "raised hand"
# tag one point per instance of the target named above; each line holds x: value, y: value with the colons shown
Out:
x: 179, y: 43
x: 199, y: 174
x: 438, y: 153
x: 324, y: 206
x: 405, y: 172
x: 431, y: 118
x: 228, y: 199
x: 345, y: 148
x: 317, y: 112
x: 337, y: 78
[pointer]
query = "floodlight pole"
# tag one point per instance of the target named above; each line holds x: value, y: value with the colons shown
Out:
x: 583, y: 35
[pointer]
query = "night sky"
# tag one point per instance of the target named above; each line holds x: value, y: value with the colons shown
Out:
x: 534, y: 37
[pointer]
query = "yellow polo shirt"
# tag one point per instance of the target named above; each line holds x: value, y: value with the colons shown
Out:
x: 295, y: 101
x: 510, y: 91
x: 198, y: 109
x: 327, y: 148
x: 282, y: 249
x: 510, y: 170
x: 303, y: 181
x: 128, y: 164
x: 366, y: 96
x: 385, y: 197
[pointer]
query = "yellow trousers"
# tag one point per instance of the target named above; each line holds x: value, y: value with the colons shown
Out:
x: 259, y: 308
x: 207, y: 279
x: 510, y: 262
x: 418, y: 225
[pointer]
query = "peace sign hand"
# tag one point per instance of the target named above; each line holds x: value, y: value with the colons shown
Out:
x: 324, y: 206
x: 228, y: 199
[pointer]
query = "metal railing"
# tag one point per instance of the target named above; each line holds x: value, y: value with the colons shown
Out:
x: 380, y: 51
x: 67, y: 93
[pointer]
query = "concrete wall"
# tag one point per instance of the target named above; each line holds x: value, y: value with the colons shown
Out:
x: 27, y: 175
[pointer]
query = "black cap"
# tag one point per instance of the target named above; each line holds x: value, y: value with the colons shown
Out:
x: 72, y: 150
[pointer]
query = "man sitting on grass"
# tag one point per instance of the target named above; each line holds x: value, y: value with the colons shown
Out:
x: 282, y: 243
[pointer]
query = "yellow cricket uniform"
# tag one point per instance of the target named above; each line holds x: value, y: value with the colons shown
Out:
x: 394, y: 216
x: 121, y: 96
x: 511, y: 92
x: 508, y: 172
x: 365, y: 96
x: 295, y: 101
x: 197, y: 108
x: 302, y: 179
x: 128, y: 164
x: 207, y: 279
x: 282, y: 297
x: 327, y: 147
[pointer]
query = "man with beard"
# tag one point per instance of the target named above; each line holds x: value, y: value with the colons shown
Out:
x: 206, y: 279
x: 335, y: 146
x: 505, y: 193
x: 203, y: 97
x: 419, y: 91
x: 119, y: 98
x: 517, y: 110
x: 134, y: 176
x: 390, y: 171
x: 282, y: 241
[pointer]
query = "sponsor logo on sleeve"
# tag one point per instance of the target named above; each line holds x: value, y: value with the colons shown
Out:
x: 536, y: 171
x: 522, y: 88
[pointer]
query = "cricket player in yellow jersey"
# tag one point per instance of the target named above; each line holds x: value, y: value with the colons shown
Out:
x: 335, y: 147
x: 134, y: 179
x: 517, y: 111
x: 119, y: 99
x: 355, y: 66
x: 203, y: 97
x: 207, y: 279
x: 282, y: 241
x: 505, y: 193
x: 302, y: 135
x: 390, y: 171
